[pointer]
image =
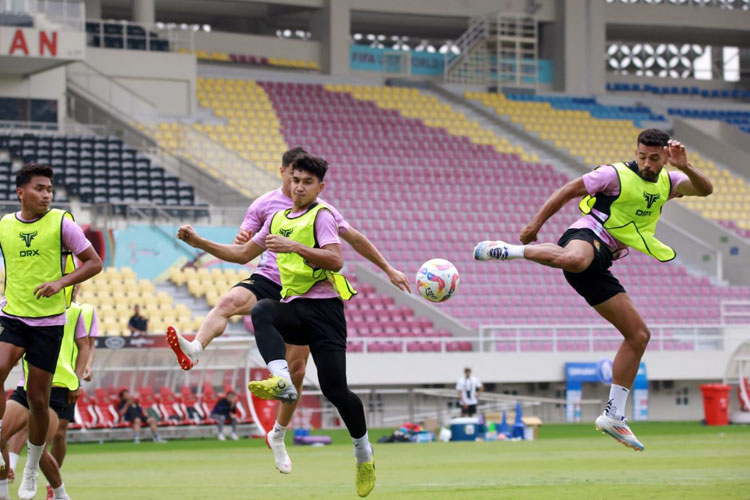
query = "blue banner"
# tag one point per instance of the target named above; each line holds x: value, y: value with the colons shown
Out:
x: 577, y: 374
x: 364, y: 58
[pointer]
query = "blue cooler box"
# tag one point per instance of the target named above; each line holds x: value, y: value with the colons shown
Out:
x: 466, y: 429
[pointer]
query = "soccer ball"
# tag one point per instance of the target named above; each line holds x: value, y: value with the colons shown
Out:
x: 437, y: 280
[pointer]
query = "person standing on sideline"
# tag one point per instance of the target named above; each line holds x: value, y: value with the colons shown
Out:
x: 468, y: 388
x: 621, y: 206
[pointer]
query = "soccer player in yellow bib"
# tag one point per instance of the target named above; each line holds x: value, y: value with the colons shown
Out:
x: 66, y: 387
x: 311, y: 312
x: 621, y: 206
x: 34, y: 243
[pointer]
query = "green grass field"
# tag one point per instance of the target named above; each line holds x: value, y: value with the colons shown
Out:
x: 681, y: 461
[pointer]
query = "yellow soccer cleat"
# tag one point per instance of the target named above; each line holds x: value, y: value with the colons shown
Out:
x: 365, y: 480
x: 274, y: 387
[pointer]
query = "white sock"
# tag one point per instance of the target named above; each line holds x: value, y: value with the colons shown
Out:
x: 60, y: 492
x: 515, y: 251
x: 362, y: 449
x: 13, y: 457
x: 4, y: 488
x: 618, y: 398
x: 279, y: 368
x: 191, y: 348
x: 278, y: 431
x: 35, y: 453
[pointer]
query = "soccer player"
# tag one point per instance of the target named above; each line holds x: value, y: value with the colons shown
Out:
x: 622, y: 204
x: 66, y: 387
x: 34, y: 241
x: 264, y: 283
x: 311, y: 312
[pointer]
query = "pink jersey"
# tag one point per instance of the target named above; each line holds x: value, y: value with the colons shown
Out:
x: 326, y: 233
x: 80, y: 333
x: 605, y: 180
x: 94, y: 326
x: 261, y: 210
x: 74, y: 240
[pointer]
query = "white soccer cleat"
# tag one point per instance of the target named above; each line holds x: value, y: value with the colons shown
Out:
x: 27, y: 490
x: 491, y: 250
x: 234, y: 437
x: 618, y: 429
x: 222, y: 437
x: 280, y: 456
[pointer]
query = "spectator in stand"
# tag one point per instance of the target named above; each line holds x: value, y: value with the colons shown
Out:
x: 226, y: 409
x: 130, y: 411
x: 138, y: 325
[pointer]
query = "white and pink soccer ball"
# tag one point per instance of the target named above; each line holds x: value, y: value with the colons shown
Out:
x: 437, y: 280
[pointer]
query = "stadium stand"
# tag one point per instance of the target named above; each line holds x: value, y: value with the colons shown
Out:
x: 97, y: 169
x: 115, y: 292
x: 253, y: 60
x: 740, y: 119
x: 581, y: 133
x: 680, y: 91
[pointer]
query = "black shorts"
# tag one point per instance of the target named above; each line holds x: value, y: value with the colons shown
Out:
x: 318, y: 323
x: 596, y: 284
x: 134, y: 412
x: 42, y: 343
x: 58, y: 401
x: 469, y: 411
x: 262, y: 287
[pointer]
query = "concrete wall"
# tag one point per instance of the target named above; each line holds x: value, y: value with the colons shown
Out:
x: 48, y: 84
x: 266, y: 46
x: 166, y: 79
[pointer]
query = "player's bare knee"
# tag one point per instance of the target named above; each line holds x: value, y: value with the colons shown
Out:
x: 639, y: 341
x: 37, y: 402
x: 574, y: 262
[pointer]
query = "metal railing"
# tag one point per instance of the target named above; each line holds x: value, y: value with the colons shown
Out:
x: 735, y: 312
x: 590, y: 338
x: 121, y: 215
x: 109, y: 94
x: 721, y: 4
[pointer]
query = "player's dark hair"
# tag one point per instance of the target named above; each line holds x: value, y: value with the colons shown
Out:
x: 123, y: 392
x: 30, y: 170
x: 312, y: 164
x: 653, y: 137
x: 231, y: 393
x: 292, y: 154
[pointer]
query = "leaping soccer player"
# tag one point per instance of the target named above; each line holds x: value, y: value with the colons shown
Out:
x: 621, y: 205
x: 311, y: 312
x: 265, y: 284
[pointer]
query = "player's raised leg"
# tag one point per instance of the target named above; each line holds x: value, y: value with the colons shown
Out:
x: 237, y: 301
x: 575, y: 256
x: 621, y: 312
x: 296, y: 356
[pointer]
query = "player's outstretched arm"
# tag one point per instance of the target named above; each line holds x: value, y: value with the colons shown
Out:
x: 363, y: 246
x: 90, y: 266
x: 557, y: 200
x: 327, y: 257
x: 241, y: 254
x: 697, y: 184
